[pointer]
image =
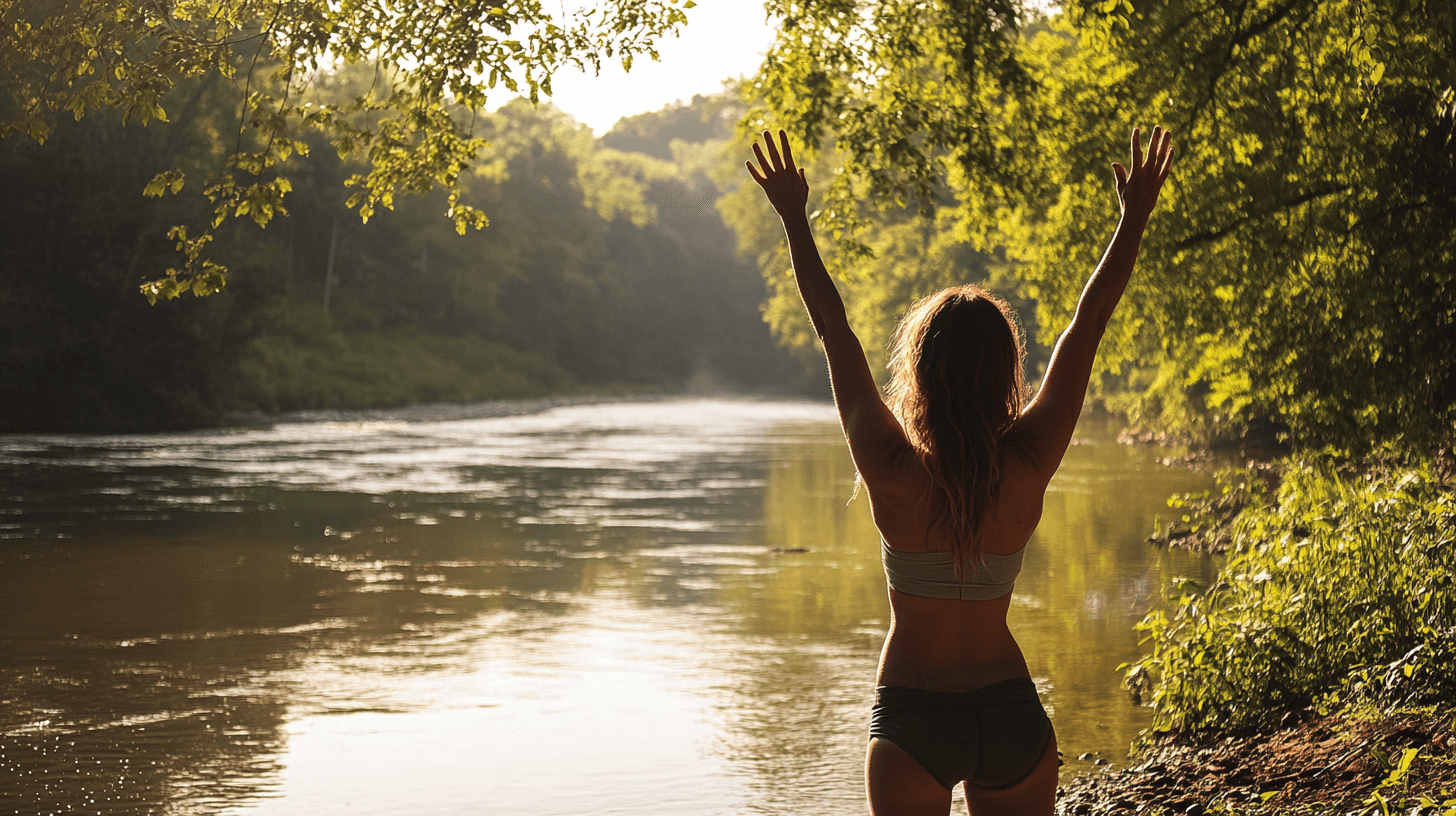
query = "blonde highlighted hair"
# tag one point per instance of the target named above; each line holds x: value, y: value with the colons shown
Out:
x: 957, y: 386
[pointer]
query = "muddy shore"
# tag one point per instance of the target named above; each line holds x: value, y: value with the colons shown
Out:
x: 1312, y: 765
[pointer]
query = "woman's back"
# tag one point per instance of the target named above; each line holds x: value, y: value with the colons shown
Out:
x: 950, y: 644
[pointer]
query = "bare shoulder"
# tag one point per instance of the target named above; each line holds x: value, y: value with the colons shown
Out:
x: 903, y: 507
x: 1019, y: 501
x: 1024, y: 475
x: 898, y: 500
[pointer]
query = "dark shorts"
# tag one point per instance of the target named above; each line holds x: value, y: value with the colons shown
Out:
x: 993, y: 736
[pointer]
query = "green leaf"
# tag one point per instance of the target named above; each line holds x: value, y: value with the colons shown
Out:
x: 1406, y: 758
x: 167, y: 180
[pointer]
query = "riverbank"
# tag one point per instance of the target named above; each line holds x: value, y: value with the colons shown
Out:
x: 1313, y: 676
x: 1342, y: 763
x: 493, y: 408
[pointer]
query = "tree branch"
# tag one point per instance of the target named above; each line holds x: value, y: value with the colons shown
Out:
x: 1209, y: 236
x: 1239, y: 39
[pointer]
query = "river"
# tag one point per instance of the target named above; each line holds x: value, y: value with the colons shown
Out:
x: 647, y: 607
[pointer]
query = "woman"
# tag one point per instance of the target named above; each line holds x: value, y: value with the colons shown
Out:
x: 956, y: 467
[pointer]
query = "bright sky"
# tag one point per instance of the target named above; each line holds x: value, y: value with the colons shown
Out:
x: 723, y: 39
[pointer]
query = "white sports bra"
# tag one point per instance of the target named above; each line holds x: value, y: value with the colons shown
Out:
x: 932, y: 574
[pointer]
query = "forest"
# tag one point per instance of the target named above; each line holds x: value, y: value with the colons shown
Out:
x: 604, y: 270
x: 1296, y: 289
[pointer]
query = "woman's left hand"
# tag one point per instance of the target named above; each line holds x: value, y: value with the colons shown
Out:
x: 1137, y: 189
x: 782, y: 182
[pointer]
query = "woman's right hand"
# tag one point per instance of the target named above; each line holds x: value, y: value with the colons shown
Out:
x: 1137, y: 189
x: 782, y: 182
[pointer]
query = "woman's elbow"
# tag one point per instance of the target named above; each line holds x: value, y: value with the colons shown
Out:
x: 1088, y: 326
x: 828, y: 322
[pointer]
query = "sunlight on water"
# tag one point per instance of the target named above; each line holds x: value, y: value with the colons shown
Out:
x: 647, y: 607
x: 566, y: 720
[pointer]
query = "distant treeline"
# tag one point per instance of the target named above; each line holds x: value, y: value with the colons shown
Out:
x: 605, y: 267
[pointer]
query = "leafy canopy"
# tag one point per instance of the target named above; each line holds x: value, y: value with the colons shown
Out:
x: 1300, y: 275
x: 435, y: 62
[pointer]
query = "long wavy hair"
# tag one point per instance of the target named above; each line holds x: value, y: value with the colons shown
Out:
x: 957, y: 387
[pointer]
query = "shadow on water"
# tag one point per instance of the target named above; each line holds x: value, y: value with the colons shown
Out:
x: 667, y: 605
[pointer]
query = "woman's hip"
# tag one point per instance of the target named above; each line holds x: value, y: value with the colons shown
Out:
x: 992, y: 736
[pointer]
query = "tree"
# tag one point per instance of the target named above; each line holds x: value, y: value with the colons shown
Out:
x: 434, y: 64
x: 1301, y: 276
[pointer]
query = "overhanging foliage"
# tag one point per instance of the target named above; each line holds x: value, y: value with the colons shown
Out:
x: 1300, y: 275
x: 435, y: 63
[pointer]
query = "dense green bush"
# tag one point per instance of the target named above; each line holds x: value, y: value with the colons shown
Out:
x: 1341, y: 587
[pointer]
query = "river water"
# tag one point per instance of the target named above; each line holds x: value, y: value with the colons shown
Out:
x: 652, y: 607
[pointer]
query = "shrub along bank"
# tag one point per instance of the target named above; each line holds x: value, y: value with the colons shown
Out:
x: 1337, y: 587
x: 1318, y: 674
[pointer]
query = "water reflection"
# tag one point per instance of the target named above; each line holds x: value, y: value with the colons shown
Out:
x: 657, y: 607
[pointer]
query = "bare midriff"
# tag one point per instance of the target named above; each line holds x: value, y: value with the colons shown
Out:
x: 939, y: 644
x: 943, y: 644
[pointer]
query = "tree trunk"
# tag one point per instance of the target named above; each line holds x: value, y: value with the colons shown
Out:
x: 329, y: 275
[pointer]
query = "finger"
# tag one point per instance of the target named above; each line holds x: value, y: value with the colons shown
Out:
x: 753, y: 171
x: 802, y: 178
x: 773, y: 151
x: 1164, y: 147
x: 1167, y: 165
x: 1120, y: 175
x: 788, y: 154
x: 1137, y: 147
x: 763, y: 164
x: 1155, y: 147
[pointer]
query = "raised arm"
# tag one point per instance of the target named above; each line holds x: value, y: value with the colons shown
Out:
x: 1052, y: 416
x: 876, y: 441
